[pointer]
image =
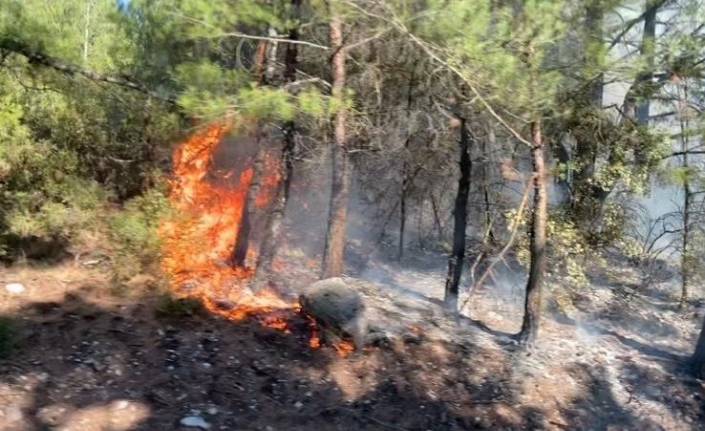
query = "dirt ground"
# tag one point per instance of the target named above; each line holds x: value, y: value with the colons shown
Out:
x: 92, y: 358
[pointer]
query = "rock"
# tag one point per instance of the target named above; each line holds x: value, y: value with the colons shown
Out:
x: 298, y: 405
x: 15, y: 288
x: 337, y: 308
x: 12, y: 414
x: 195, y: 422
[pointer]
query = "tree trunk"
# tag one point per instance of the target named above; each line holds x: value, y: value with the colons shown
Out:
x: 242, y: 241
x: 491, y: 139
x: 340, y: 184
x: 532, y: 305
x: 149, y: 155
x: 698, y: 359
x: 436, y: 218
x: 402, y: 216
x: 457, y: 257
x: 687, y: 195
x: 405, y: 173
x: 275, y: 216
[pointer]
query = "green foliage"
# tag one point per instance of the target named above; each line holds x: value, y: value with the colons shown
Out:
x: 133, y: 232
x: 497, y: 53
x: 43, y: 194
x: 566, y: 247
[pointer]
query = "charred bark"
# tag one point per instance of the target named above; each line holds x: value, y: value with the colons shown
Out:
x: 460, y: 212
x: 405, y: 173
x: 436, y: 218
x: 698, y: 359
x: 275, y: 216
x: 532, y: 304
x: 491, y: 139
x: 149, y: 154
x: 402, y: 214
x: 244, y: 230
x: 340, y: 184
x: 687, y: 196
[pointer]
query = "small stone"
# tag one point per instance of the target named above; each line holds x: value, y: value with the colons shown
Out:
x: 309, y: 394
x: 15, y: 288
x: 12, y: 414
x: 195, y: 422
x: 122, y: 404
x: 206, y: 365
x: 212, y: 411
x: 299, y: 405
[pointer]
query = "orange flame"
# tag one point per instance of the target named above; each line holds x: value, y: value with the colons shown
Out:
x: 197, y: 243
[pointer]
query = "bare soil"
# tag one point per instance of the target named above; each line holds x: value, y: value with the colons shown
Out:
x: 93, y: 358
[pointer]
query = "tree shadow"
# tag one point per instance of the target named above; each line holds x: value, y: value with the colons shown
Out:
x: 89, y: 360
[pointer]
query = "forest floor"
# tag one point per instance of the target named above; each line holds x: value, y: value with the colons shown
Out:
x: 92, y: 358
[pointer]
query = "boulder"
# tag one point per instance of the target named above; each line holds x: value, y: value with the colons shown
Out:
x: 338, y: 309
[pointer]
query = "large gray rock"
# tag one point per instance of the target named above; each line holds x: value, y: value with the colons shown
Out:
x: 338, y: 309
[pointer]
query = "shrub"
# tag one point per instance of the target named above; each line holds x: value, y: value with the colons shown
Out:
x: 133, y: 233
x: 44, y: 198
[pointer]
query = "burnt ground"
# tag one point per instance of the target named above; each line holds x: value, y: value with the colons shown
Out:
x: 93, y: 357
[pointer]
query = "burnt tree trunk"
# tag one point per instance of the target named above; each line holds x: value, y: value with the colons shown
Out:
x: 149, y: 154
x: 340, y: 184
x: 687, y: 195
x: 405, y: 174
x: 436, y: 218
x: 460, y: 213
x: 275, y: 216
x: 698, y: 359
x: 491, y: 139
x: 402, y: 214
x: 242, y: 241
x: 537, y: 248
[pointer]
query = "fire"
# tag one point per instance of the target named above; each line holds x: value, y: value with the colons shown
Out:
x: 314, y: 341
x: 198, y: 242
x: 344, y: 348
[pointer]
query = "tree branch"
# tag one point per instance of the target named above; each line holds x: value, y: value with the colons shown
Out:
x: 36, y: 57
x: 682, y: 153
x: 631, y: 23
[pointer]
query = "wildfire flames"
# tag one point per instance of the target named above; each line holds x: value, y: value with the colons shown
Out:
x: 197, y: 243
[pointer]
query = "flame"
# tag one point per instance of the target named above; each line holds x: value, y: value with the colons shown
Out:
x: 315, y: 341
x: 344, y: 348
x: 197, y: 243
